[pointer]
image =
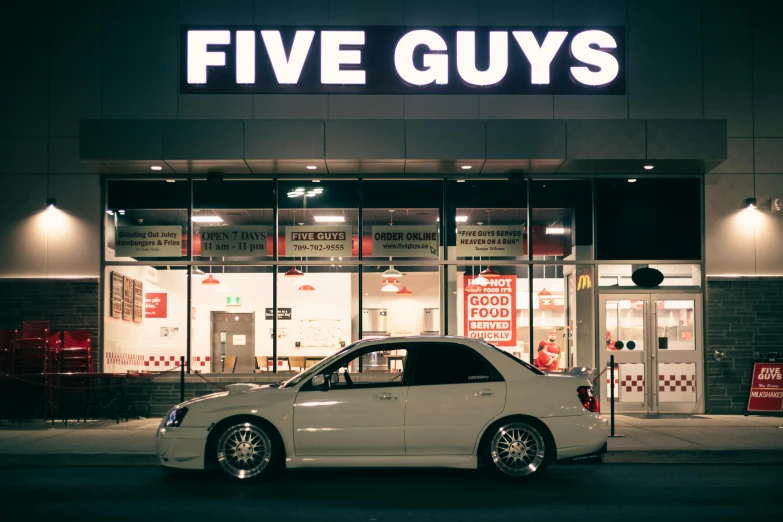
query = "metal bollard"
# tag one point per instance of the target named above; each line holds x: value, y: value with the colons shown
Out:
x: 182, y: 378
x: 611, y: 397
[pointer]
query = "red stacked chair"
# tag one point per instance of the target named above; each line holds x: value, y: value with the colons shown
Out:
x: 6, y: 349
x: 76, y: 352
x: 53, y: 353
x: 35, y: 330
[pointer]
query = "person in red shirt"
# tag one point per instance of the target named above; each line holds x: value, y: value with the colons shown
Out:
x: 548, y: 353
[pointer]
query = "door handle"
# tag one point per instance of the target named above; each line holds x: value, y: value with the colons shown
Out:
x: 485, y: 392
x: 385, y: 396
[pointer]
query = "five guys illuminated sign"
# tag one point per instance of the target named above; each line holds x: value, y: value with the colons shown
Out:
x: 387, y: 60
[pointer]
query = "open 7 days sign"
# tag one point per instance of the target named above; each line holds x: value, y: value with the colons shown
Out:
x: 389, y: 59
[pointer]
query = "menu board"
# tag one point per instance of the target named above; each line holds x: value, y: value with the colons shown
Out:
x: 138, y: 301
x: 116, y: 294
x: 127, y: 299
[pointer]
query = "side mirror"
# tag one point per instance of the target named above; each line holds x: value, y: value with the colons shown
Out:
x: 318, y: 381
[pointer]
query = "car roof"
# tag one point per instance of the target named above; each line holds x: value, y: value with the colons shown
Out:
x: 421, y: 338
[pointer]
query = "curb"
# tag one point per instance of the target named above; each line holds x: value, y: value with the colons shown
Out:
x: 611, y: 457
x: 77, y: 460
x: 771, y: 456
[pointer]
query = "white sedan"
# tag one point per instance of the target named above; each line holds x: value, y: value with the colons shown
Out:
x: 399, y: 402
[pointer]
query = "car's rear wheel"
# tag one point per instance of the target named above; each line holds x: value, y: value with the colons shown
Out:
x: 246, y: 451
x: 518, y: 450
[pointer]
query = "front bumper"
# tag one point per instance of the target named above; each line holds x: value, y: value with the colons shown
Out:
x: 181, y: 447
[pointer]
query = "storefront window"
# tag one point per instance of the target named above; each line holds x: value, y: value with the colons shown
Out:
x: 145, y: 321
x: 493, y: 308
x: 562, y: 220
x: 318, y: 314
x: 231, y: 311
x: 233, y: 220
x: 563, y: 333
x: 147, y: 219
x: 403, y: 302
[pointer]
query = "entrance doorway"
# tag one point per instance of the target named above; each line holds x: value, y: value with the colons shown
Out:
x: 233, y: 335
x: 656, y: 340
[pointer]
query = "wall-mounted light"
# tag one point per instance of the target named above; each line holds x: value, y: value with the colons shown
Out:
x: 750, y: 203
x: 51, y: 203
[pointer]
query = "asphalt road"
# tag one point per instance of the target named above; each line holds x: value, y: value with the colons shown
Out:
x: 606, y: 493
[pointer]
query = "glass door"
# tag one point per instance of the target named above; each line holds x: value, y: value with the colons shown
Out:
x: 656, y: 343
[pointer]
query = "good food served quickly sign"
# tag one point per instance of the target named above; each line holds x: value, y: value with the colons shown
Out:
x: 491, y: 310
x: 766, y: 389
x: 391, y: 59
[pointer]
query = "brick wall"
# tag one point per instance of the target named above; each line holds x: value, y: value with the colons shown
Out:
x: 70, y: 304
x: 744, y: 315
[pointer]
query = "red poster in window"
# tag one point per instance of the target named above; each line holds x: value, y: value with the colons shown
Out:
x: 766, y: 389
x: 155, y: 305
x: 490, y: 310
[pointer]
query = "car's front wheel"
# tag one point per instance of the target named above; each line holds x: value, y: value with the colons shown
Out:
x: 248, y: 451
x: 518, y: 450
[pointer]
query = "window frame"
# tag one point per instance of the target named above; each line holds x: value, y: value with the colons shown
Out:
x: 361, y: 352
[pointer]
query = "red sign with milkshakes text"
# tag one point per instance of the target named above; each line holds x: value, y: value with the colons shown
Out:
x: 766, y: 390
x: 491, y: 311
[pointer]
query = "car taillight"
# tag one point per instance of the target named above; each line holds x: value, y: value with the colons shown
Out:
x: 588, y: 400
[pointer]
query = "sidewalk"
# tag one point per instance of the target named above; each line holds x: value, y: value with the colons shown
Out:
x: 682, y: 439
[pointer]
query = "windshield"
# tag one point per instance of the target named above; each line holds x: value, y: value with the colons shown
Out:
x: 520, y: 361
x: 296, y: 379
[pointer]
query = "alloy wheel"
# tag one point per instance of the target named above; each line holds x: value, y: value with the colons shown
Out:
x: 518, y: 449
x: 244, y: 451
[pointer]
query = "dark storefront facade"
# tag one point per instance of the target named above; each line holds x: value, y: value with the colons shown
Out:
x: 254, y: 186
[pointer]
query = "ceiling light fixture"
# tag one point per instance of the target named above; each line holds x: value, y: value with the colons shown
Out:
x: 306, y: 288
x: 390, y: 288
x: 51, y: 203
x: 329, y: 219
x: 210, y: 281
x: 557, y: 231
x: 311, y: 167
x: 750, y: 203
x: 632, y: 180
x: 466, y: 167
x: 170, y: 181
x: 390, y: 281
x: 404, y: 291
x: 156, y: 167
x: 110, y: 212
x: 207, y: 219
x: 460, y: 219
x: 121, y: 212
x: 391, y: 272
x: 480, y: 280
x: 649, y: 167
x: 460, y: 181
x: 317, y: 181
x: 489, y: 273
x: 294, y: 272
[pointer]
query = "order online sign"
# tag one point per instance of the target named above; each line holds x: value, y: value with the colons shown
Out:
x: 491, y: 310
x: 402, y: 60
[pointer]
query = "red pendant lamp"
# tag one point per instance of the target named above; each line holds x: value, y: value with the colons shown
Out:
x: 390, y: 281
x: 488, y: 273
x: 404, y: 291
x: 307, y: 288
x: 210, y: 281
x: 294, y: 272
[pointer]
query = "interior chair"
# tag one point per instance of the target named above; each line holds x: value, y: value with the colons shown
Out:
x: 229, y: 363
x: 260, y: 364
x: 35, y: 330
x: 296, y: 363
x: 76, y: 352
x: 29, y: 356
x: 6, y: 349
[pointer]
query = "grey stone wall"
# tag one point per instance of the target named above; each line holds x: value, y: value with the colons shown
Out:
x: 70, y: 304
x: 744, y: 316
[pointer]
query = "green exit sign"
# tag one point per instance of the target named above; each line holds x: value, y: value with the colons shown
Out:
x: 233, y: 301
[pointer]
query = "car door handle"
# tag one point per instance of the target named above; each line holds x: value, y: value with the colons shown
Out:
x: 385, y: 396
x: 485, y: 392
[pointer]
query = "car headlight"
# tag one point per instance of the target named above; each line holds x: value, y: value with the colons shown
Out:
x: 175, y: 417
